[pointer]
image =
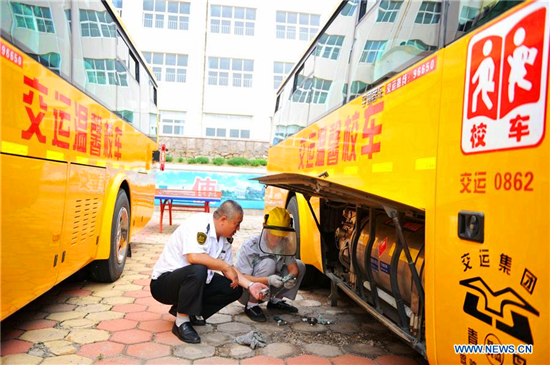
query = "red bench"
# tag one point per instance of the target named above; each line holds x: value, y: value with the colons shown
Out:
x: 178, y: 199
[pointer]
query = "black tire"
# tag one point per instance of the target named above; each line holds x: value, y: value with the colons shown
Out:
x: 107, y: 271
x: 311, y: 271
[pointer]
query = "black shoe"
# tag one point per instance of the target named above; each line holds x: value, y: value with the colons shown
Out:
x: 255, y: 313
x: 186, y: 333
x: 283, y: 306
x: 197, y: 320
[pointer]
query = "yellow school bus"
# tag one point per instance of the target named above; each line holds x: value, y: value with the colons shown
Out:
x: 79, y: 128
x: 409, y: 144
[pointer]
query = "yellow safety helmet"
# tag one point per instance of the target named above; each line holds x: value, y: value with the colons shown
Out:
x: 278, y: 236
x: 278, y: 217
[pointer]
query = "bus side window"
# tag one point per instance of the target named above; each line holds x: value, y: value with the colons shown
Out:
x: 42, y: 31
x: 466, y: 15
x: 94, y: 58
x: 393, y: 36
x: 331, y: 64
x: 128, y: 90
x: 302, y: 93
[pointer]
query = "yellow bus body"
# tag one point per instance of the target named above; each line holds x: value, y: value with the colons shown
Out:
x: 420, y: 164
x: 58, y: 203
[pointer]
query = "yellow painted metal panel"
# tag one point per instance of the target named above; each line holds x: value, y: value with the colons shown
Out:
x: 15, y: 148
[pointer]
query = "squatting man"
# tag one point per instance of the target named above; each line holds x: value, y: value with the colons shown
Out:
x: 184, y: 274
x: 269, y: 259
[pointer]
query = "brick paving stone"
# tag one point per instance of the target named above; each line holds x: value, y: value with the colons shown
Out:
x: 159, y: 308
x: 166, y: 317
x: 148, y: 350
x: 20, y: 359
x: 105, y: 316
x: 306, y: 327
x: 63, y: 316
x: 364, y: 349
x: 234, y: 327
x: 117, y: 300
x: 147, y: 301
x: 232, y: 309
x: 243, y: 318
x: 219, y: 318
x: 216, y: 361
x: 280, y: 350
x: 168, y: 360
x: 11, y: 347
x: 93, y: 308
x: 168, y: 338
x: 308, y: 360
x: 78, y: 323
x: 98, y: 286
x: 194, y: 352
x: 43, y: 335
x: 156, y: 326
x: 306, y: 303
x: 129, y: 308
x: 146, y: 282
x: 10, y: 333
x: 131, y: 336
x: 352, y: 359
x: 346, y: 328
x: 60, y: 348
x: 67, y: 359
x: 401, y: 349
x: 75, y: 293
x: 112, y: 293
x: 216, y: 338
x: 118, y: 360
x: 83, y: 300
x: 56, y: 308
x: 236, y: 351
x: 143, y: 316
x: 35, y: 325
x: 117, y: 325
x: 264, y: 360
x: 268, y: 327
x: 128, y: 287
x: 87, y: 336
x: 323, y: 350
x: 394, y: 360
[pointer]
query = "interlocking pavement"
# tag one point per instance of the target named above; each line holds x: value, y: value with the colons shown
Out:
x: 120, y: 323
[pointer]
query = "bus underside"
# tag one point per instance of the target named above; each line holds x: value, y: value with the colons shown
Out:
x: 373, y: 250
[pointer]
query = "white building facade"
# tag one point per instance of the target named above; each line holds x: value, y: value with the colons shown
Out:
x: 219, y: 63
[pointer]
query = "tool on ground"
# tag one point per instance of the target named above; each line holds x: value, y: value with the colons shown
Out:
x: 253, y: 338
x: 280, y: 321
x: 310, y: 320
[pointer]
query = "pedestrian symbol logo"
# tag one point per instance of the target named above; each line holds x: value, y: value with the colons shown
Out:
x: 506, y: 83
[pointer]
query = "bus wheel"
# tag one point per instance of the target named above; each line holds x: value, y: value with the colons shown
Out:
x: 311, y: 271
x: 109, y: 270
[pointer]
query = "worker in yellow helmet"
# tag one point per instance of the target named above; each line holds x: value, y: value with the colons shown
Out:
x: 268, y: 258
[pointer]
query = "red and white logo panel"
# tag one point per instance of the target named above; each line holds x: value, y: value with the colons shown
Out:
x: 506, y: 84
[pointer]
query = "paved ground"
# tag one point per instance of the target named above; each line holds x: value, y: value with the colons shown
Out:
x: 120, y: 323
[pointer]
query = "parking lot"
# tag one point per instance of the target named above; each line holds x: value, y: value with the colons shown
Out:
x: 120, y: 323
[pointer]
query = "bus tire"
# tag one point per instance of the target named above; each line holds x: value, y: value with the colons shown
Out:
x: 108, y: 271
x: 311, y: 271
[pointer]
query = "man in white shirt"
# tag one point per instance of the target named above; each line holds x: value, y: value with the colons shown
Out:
x: 184, y: 273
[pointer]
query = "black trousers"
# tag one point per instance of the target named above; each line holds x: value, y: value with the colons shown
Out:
x: 186, y: 288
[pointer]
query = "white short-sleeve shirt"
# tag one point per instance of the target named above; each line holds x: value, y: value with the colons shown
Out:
x: 185, y: 241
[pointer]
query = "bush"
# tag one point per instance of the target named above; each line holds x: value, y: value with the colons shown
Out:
x: 238, y: 161
x: 262, y: 161
x: 180, y: 159
x: 169, y: 158
x: 192, y: 161
x: 218, y: 161
x: 254, y: 163
x: 203, y: 160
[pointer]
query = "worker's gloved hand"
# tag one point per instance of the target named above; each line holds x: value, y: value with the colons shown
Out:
x: 275, y: 280
x: 253, y: 339
x: 291, y: 282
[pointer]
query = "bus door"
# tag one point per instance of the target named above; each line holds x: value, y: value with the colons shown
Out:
x: 492, y: 237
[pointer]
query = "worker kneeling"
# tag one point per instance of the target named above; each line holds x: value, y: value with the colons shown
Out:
x: 268, y: 258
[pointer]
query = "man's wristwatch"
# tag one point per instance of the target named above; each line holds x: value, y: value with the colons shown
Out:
x: 250, y: 284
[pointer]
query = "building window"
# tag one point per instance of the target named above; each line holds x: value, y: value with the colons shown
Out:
x: 164, y: 14
x: 172, y: 123
x: 329, y: 46
x: 105, y: 71
x: 223, y: 70
x: 280, y: 71
x: 311, y: 90
x: 225, y: 18
x: 50, y: 60
x: 372, y: 50
x: 289, y: 23
x: 118, y: 5
x: 219, y: 124
x: 388, y: 10
x: 173, y: 66
x: 466, y: 17
x: 97, y: 24
x: 429, y: 13
x: 349, y: 8
x: 33, y: 17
